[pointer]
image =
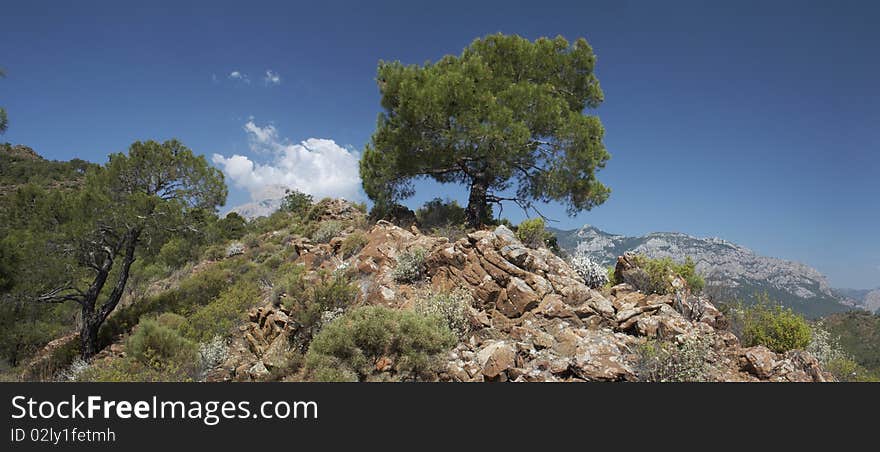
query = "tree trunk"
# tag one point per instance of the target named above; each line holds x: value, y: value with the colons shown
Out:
x: 88, y: 335
x: 93, y: 319
x: 477, y: 208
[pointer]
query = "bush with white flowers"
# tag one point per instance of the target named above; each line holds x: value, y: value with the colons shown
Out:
x: 234, y: 249
x: 594, y: 274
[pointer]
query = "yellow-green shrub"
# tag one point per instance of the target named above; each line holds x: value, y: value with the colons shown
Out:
x: 778, y: 328
x: 224, y: 312
x: 347, y: 348
x: 661, y: 272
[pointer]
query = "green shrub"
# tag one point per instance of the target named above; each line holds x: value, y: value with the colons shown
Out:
x: 131, y: 370
x: 189, y: 295
x: 224, y: 312
x: 410, y: 266
x: 176, y: 252
x: 663, y: 270
x: 171, y: 320
x: 452, y: 307
x: 215, y: 252
x: 156, y: 343
x: 437, y: 213
x: 612, y: 276
x: 327, y: 230
x: 531, y: 232
x: 666, y: 361
x: 353, y: 244
x: 778, y: 328
x: 296, y: 202
x: 348, y: 348
x: 310, y: 301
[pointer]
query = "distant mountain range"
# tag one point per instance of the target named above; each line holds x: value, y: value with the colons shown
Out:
x: 265, y: 203
x: 731, y: 271
x: 867, y: 299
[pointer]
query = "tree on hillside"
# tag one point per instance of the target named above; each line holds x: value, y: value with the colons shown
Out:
x: 3, y: 121
x: 129, y: 207
x: 505, y: 112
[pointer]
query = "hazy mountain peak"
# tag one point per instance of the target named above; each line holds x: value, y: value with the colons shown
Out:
x: 730, y: 270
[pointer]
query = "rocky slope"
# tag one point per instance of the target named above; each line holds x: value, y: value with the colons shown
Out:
x: 730, y: 270
x: 532, y: 317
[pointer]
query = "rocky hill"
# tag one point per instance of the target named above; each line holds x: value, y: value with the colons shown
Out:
x: 731, y: 271
x: 20, y: 165
x: 867, y: 299
x: 519, y: 314
x: 529, y: 317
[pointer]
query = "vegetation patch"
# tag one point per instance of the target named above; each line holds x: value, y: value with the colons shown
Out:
x: 369, y: 342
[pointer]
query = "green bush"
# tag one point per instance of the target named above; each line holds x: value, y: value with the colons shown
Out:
x: 176, y: 252
x: 310, y: 300
x: 215, y: 252
x: 155, y: 341
x: 662, y: 271
x: 219, y: 316
x: 327, y: 230
x: 348, y: 348
x: 129, y: 370
x: 778, y: 328
x: 353, y: 244
x: 189, y: 295
x: 531, y: 232
x: 297, y: 202
x: 438, y: 213
x: 410, y: 266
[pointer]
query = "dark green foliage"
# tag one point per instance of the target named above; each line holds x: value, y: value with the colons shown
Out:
x: 393, y: 212
x: 347, y: 349
x: 438, y: 213
x: 505, y: 112
x: 126, y: 209
x: 4, y: 121
x: 231, y: 227
x: 19, y: 166
x: 296, y: 202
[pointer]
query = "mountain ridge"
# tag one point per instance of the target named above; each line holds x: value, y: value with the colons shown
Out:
x: 732, y: 271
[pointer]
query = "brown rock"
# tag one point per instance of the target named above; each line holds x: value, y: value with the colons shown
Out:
x: 496, y: 358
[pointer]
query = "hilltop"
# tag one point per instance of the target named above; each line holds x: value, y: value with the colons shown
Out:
x: 330, y: 296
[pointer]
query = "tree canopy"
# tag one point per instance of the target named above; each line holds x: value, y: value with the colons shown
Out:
x: 79, y: 246
x: 504, y: 116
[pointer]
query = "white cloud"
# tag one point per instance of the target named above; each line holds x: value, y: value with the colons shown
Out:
x: 316, y: 166
x: 240, y: 76
x: 272, y: 78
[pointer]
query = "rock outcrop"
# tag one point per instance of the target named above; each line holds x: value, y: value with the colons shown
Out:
x: 533, y: 318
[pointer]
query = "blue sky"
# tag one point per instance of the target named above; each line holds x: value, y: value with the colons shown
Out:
x: 753, y: 121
